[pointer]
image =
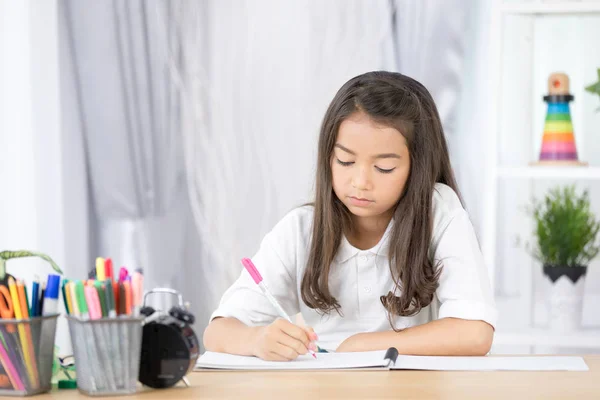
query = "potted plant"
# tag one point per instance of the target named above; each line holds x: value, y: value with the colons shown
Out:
x: 595, y: 87
x: 565, y: 233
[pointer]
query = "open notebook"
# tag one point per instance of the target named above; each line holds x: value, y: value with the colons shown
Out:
x: 386, y: 360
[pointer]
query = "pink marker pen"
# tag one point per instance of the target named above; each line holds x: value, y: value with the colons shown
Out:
x: 93, y: 302
x: 251, y: 268
x: 123, y: 273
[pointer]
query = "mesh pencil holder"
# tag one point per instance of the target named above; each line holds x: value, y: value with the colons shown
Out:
x: 107, y: 354
x: 26, y: 355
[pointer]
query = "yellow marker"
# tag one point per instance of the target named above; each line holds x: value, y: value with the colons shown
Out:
x: 22, y: 335
x: 75, y: 311
x: 69, y: 299
x: 100, y: 271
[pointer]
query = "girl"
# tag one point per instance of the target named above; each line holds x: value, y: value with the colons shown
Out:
x: 385, y: 257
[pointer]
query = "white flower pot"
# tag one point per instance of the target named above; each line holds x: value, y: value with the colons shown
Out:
x: 565, y: 297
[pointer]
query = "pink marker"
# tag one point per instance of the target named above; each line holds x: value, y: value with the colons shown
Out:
x: 123, y: 274
x: 251, y: 268
x: 91, y: 296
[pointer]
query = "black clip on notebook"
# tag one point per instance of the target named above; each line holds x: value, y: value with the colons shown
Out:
x: 391, y: 355
x: 381, y: 359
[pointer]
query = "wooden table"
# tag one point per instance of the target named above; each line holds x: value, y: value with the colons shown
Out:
x: 377, y: 384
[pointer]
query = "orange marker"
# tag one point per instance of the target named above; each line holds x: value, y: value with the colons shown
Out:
x: 5, y: 382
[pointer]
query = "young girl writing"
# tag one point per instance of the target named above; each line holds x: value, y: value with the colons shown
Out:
x: 385, y: 257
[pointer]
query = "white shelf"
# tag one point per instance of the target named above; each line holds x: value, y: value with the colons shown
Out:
x: 523, y: 43
x: 585, y: 338
x: 542, y: 172
x: 551, y: 7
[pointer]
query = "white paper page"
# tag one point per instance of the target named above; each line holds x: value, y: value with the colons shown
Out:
x: 491, y: 363
x: 368, y: 359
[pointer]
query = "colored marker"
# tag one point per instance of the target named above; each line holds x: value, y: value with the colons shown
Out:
x: 81, y: 302
x: 137, y: 284
x: 14, y: 294
x: 108, y: 269
x: 110, y: 299
x: 51, y: 300
x: 100, y: 272
x: 123, y: 273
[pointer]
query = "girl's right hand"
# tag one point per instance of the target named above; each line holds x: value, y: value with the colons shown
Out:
x: 283, y: 341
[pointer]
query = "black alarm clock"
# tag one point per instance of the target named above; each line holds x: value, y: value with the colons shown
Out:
x: 170, y: 347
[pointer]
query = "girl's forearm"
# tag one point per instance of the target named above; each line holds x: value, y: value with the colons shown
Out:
x: 443, y: 337
x: 230, y: 335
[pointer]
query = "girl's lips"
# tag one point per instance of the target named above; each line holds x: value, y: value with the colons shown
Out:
x: 360, y: 202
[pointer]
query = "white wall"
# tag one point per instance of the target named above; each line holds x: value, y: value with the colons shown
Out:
x: 17, y: 167
x: 31, y: 205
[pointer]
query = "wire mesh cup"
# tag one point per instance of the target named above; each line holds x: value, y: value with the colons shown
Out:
x: 107, y: 354
x: 26, y: 355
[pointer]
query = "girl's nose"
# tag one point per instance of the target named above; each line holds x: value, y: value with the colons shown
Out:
x: 361, y: 179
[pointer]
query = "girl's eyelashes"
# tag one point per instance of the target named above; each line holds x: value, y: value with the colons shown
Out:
x: 344, y: 163
x: 385, y: 171
x: 348, y: 163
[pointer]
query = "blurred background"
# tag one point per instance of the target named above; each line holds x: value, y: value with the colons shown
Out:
x: 172, y: 135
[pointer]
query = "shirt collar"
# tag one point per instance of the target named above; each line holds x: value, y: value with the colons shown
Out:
x: 346, y: 251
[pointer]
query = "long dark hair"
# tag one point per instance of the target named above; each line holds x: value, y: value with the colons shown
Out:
x: 397, y: 101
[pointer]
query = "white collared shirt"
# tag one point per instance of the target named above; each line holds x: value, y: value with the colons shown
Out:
x: 359, y: 277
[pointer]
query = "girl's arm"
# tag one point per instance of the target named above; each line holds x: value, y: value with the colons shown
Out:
x: 442, y: 337
x: 467, y: 313
x: 246, y: 323
x: 229, y: 335
x: 279, y: 341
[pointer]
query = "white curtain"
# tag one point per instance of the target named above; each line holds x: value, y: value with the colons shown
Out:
x: 122, y: 126
x: 255, y: 79
x: 249, y: 83
x: 441, y: 44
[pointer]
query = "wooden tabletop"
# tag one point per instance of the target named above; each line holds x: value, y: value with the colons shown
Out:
x: 377, y: 384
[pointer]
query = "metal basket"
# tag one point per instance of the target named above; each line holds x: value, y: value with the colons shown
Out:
x: 107, y: 354
x: 26, y: 355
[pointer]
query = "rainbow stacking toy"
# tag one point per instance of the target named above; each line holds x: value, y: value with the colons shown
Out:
x: 558, y: 143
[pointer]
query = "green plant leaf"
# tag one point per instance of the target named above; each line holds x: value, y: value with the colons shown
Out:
x: 7, y: 255
x: 565, y: 228
x: 594, y: 88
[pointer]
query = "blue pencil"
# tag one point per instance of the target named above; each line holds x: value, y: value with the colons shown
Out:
x: 35, y: 292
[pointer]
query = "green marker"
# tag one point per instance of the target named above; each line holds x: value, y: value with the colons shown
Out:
x: 102, y: 298
x: 81, y: 303
x: 64, y: 294
x: 110, y: 299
